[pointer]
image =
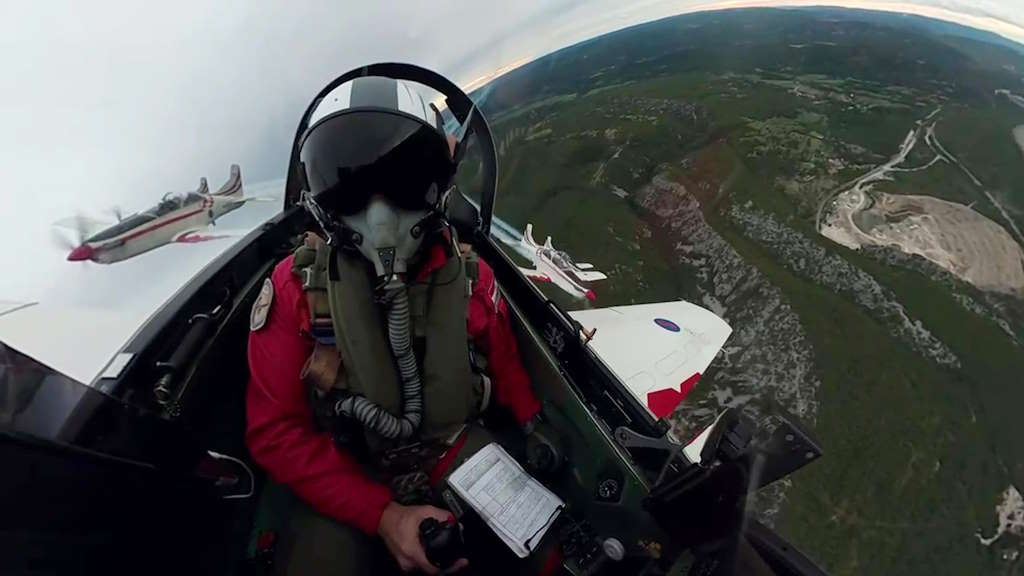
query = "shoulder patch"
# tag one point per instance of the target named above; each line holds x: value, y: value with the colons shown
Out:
x: 261, y: 307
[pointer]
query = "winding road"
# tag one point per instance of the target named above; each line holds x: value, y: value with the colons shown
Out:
x: 930, y: 138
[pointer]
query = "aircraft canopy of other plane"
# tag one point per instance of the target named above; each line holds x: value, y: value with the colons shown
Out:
x: 558, y: 258
x: 171, y: 202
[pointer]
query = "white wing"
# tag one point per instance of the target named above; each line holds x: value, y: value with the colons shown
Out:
x: 659, y: 351
x: 204, y: 234
x: 67, y: 351
x: 258, y: 199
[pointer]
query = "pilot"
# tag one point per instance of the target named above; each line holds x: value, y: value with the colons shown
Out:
x: 375, y: 346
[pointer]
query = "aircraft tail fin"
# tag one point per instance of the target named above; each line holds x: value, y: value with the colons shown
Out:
x: 233, y: 187
x: 547, y: 243
x: 528, y: 236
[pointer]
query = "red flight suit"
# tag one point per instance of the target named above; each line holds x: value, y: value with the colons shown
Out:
x: 280, y: 432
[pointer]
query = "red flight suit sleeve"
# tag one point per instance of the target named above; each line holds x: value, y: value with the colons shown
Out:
x: 491, y: 331
x: 280, y: 432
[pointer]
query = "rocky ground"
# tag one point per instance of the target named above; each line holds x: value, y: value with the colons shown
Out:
x: 768, y: 359
x: 984, y: 305
x: 808, y: 259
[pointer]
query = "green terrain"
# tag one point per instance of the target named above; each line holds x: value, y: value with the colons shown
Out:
x: 691, y: 158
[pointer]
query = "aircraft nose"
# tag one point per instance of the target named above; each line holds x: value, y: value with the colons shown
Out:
x: 83, y: 252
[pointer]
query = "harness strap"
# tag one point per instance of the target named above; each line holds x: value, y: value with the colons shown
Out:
x: 311, y: 265
x: 324, y: 369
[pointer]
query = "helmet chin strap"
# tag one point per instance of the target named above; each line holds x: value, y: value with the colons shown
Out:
x: 323, y: 219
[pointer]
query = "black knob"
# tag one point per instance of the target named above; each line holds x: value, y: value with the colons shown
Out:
x: 541, y: 458
x: 442, y: 541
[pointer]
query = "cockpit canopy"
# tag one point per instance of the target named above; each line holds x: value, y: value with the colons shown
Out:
x: 558, y: 258
x: 173, y: 201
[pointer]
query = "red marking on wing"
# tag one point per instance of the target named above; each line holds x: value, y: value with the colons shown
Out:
x: 591, y: 296
x: 687, y: 386
x: 196, y: 237
x: 663, y: 402
x: 540, y: 277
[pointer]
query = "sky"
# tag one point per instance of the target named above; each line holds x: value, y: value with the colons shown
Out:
x: 109, y: 104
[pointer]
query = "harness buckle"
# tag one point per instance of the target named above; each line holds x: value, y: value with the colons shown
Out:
x: 307, y: 277
x: 322, y: 330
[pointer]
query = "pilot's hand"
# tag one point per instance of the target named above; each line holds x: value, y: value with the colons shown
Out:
x: 400, y: 529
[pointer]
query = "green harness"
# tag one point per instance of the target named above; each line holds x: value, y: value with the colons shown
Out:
x: 352, y: 354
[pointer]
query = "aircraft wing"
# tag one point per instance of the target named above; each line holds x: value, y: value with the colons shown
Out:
x: 258, y: 199
x: 204, y: 234
x: 535, y: 274
x: 591, y: 276
x: 658, y: 350
x: 30, y: 329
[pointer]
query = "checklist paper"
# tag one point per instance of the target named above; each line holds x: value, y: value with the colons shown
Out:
x: 517, y: 507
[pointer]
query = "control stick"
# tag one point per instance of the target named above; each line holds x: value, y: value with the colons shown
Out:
x: 442, y: 541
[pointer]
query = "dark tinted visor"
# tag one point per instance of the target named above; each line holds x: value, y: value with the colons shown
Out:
x: 352, y: 155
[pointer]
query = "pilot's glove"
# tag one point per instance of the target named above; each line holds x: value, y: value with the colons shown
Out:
x: 543, y: 446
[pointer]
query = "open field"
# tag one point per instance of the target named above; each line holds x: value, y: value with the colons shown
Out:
x: 951, y: 235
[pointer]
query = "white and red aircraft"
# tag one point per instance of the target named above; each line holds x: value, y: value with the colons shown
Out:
x: 679, y: 341
x: 183, y: 217
x: 550, y: 265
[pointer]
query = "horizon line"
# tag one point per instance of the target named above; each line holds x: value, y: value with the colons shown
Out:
x: 1002, y: 28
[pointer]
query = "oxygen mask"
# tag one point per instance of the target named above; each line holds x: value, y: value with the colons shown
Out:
x: 389, y: 237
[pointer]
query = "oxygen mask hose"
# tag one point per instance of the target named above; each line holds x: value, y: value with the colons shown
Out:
x: 396, y: 297
x: 388, y: 237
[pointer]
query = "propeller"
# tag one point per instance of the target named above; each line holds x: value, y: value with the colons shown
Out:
x: 79, y: 226
x: 116, y: 211
x: 62, y: 241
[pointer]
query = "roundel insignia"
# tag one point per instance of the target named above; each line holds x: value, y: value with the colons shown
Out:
x: 667, y: 324
x: 261, y: 307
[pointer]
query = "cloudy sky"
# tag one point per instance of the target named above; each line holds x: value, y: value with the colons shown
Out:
x: 114, y: 103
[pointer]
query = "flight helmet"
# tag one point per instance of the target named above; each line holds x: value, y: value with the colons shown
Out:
x: 376, y: 161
